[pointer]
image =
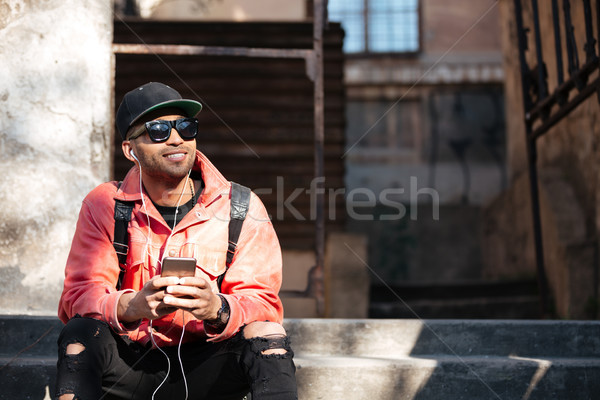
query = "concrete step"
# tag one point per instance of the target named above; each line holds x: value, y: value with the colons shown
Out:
x: 473, y: 299
x: 404, y: 337
x: 443, y: 378
x: 29, y: 335
x: 27, y: 377
x: 513, y: 307
x: 379, y: 359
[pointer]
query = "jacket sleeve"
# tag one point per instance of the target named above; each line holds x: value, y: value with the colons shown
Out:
x: 92, y: 267
x: 252, y: 282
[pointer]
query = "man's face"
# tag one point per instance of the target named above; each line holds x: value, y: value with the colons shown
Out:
x: 170, y: 160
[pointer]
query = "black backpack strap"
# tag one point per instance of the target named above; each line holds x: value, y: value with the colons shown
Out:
x: 240, y: 202
x: 123, y: 210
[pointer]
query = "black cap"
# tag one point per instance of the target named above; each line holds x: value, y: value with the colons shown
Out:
x: 150, y: 97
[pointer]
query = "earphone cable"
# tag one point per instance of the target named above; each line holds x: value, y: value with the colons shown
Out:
x: 182, y: 314
x: 179, y: 355
x: 176, y: 212
x: 148, y: 253
x: 160, y: 262
x: 168, y: 362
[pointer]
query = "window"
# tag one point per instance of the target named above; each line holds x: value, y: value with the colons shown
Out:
x: 378, y: 26
x: 374, y: 128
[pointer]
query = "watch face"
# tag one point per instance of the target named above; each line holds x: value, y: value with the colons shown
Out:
x: 223, y: 315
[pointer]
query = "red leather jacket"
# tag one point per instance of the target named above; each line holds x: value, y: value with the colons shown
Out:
x: 251, y: 284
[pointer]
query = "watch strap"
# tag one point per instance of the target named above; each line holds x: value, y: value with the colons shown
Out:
x: 220, y: 322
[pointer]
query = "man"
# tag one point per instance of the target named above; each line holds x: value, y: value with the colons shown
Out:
x: 140, y: 335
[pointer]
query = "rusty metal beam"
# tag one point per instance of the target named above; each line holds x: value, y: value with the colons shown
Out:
x: 308, y: 55
x: 542, y: 86
x: 532, y: 159
x: 566, y: 108
x: 561, y: 93
x: 188, y: 50
x: 316, y: 278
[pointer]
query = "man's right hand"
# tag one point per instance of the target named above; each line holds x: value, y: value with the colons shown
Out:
x: 148, y: 302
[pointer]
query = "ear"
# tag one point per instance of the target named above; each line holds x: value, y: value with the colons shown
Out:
x: 127, y: 149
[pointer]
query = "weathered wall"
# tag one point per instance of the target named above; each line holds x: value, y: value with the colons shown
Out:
x: 55, y: 136
x: 224, y: 10
x: 346, y: 279
x: 568, y: 168
x: 429, y: 122
x: 446, y: 22
x: 415, y: 116
x: 508, y: 246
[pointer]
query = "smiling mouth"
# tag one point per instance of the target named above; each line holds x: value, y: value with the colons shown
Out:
x: 175, y: 156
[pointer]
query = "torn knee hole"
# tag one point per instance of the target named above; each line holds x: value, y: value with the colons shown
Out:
x: 74, y: 348
x: 271, y: 345
x: 66, y: 394
x: 276, y: 344
x: 274, y: 351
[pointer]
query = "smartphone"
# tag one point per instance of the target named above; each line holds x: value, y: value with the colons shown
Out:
x: 178, y: 266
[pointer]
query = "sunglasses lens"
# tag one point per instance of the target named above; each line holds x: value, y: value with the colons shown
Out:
x: 158, y: 131
x: 187, y: 127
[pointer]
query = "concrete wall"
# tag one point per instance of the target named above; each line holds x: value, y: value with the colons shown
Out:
x: 346, y: 278
x: 55, y: 135
x: 474, y: 22
x: 568, y: 167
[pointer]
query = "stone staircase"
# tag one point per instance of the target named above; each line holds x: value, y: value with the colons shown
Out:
x: 473, y: 299
x: 380, y: 359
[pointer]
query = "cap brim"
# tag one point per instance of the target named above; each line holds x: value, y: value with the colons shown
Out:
x: 190, y: 107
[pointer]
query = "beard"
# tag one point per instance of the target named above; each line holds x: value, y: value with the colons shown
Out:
x: 156, y: 166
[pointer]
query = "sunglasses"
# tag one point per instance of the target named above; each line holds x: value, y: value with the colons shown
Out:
x: 160, y: 130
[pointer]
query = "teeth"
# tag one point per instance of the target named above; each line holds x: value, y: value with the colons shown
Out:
x: 178, y: 155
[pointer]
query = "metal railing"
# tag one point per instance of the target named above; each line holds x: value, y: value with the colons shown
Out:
x: 544, y: 108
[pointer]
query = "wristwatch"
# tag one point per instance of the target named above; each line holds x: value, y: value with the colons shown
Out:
x: 220, y: 322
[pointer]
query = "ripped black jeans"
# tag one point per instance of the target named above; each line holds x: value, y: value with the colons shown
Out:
x: 114, y: 367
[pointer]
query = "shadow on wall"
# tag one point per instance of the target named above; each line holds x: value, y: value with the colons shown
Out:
x: 467, y: 127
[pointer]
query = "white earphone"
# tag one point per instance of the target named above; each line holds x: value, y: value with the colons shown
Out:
x: 133, y: 155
